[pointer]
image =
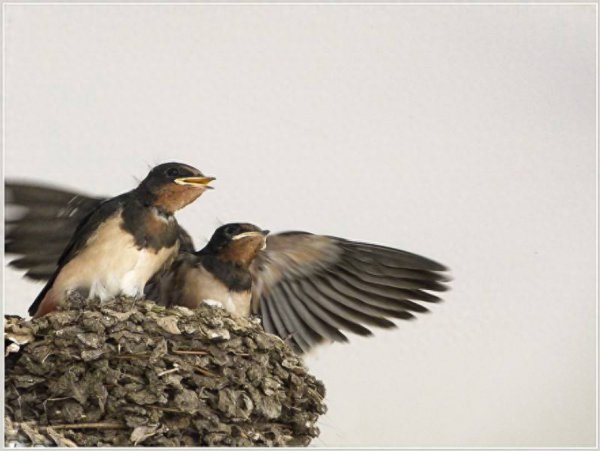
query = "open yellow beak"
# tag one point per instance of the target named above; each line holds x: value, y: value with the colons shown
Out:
x: 195, y: 181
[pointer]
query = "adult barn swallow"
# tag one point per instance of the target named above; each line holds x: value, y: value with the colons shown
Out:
x: 120, y: 243
x: 307, y: 288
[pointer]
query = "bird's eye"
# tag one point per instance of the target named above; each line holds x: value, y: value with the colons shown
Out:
x: 230, y: 230
x: 173, y: 172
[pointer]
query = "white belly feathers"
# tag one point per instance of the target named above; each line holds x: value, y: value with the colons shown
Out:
x: 111, y: 264
x: 128, y: 276
x: 201, y: 286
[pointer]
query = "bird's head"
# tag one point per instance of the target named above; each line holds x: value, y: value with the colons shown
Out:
x: 237, y: 242
x: 172, y: 186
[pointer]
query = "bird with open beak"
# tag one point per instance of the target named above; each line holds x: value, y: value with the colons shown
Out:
x: 120, y: 243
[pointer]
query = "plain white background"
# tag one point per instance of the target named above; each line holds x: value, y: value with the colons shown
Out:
x: 465, y: 133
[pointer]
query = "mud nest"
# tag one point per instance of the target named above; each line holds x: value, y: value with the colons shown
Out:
x: 134, y: 373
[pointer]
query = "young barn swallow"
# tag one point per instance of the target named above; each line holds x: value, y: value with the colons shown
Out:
x: 220, y: 272
x: 120, y: 243
x: 306, y: 288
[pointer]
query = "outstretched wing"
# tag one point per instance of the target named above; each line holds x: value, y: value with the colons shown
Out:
x: 309, y: 288
x: 40, y: 231
x: 45, y: 220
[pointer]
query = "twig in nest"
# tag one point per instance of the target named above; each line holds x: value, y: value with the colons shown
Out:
x: 105, y: 425
x: 190, y: 351
x: 172, y: 370
x: 205, y: 372
x: 139, y: 355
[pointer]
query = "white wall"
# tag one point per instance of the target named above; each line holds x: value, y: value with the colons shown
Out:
x: 464, y: 133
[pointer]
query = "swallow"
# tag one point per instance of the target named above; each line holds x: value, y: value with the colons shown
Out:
x: 306, y: 288
x: 218, y: 273
x: 117, y: 244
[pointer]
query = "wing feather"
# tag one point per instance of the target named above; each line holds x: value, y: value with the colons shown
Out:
x: 330, y: 313
x: 42, y: 226
x: 278, y: 327
x: 297, y: 332
x: 362, y: 311
x: 313, y: 320
x: 313, y: 287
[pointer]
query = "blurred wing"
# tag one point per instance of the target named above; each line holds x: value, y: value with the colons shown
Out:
x: 48, y: 217
x: 308, y: 288
x: 39, y: 233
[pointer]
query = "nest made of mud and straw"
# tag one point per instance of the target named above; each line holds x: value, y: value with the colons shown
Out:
x: 134, y: 373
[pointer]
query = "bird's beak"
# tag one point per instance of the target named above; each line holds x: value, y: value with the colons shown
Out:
x: 264, y: 245
x: 260, y: 233
x: 250, y: 234
x: 195, y: 181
